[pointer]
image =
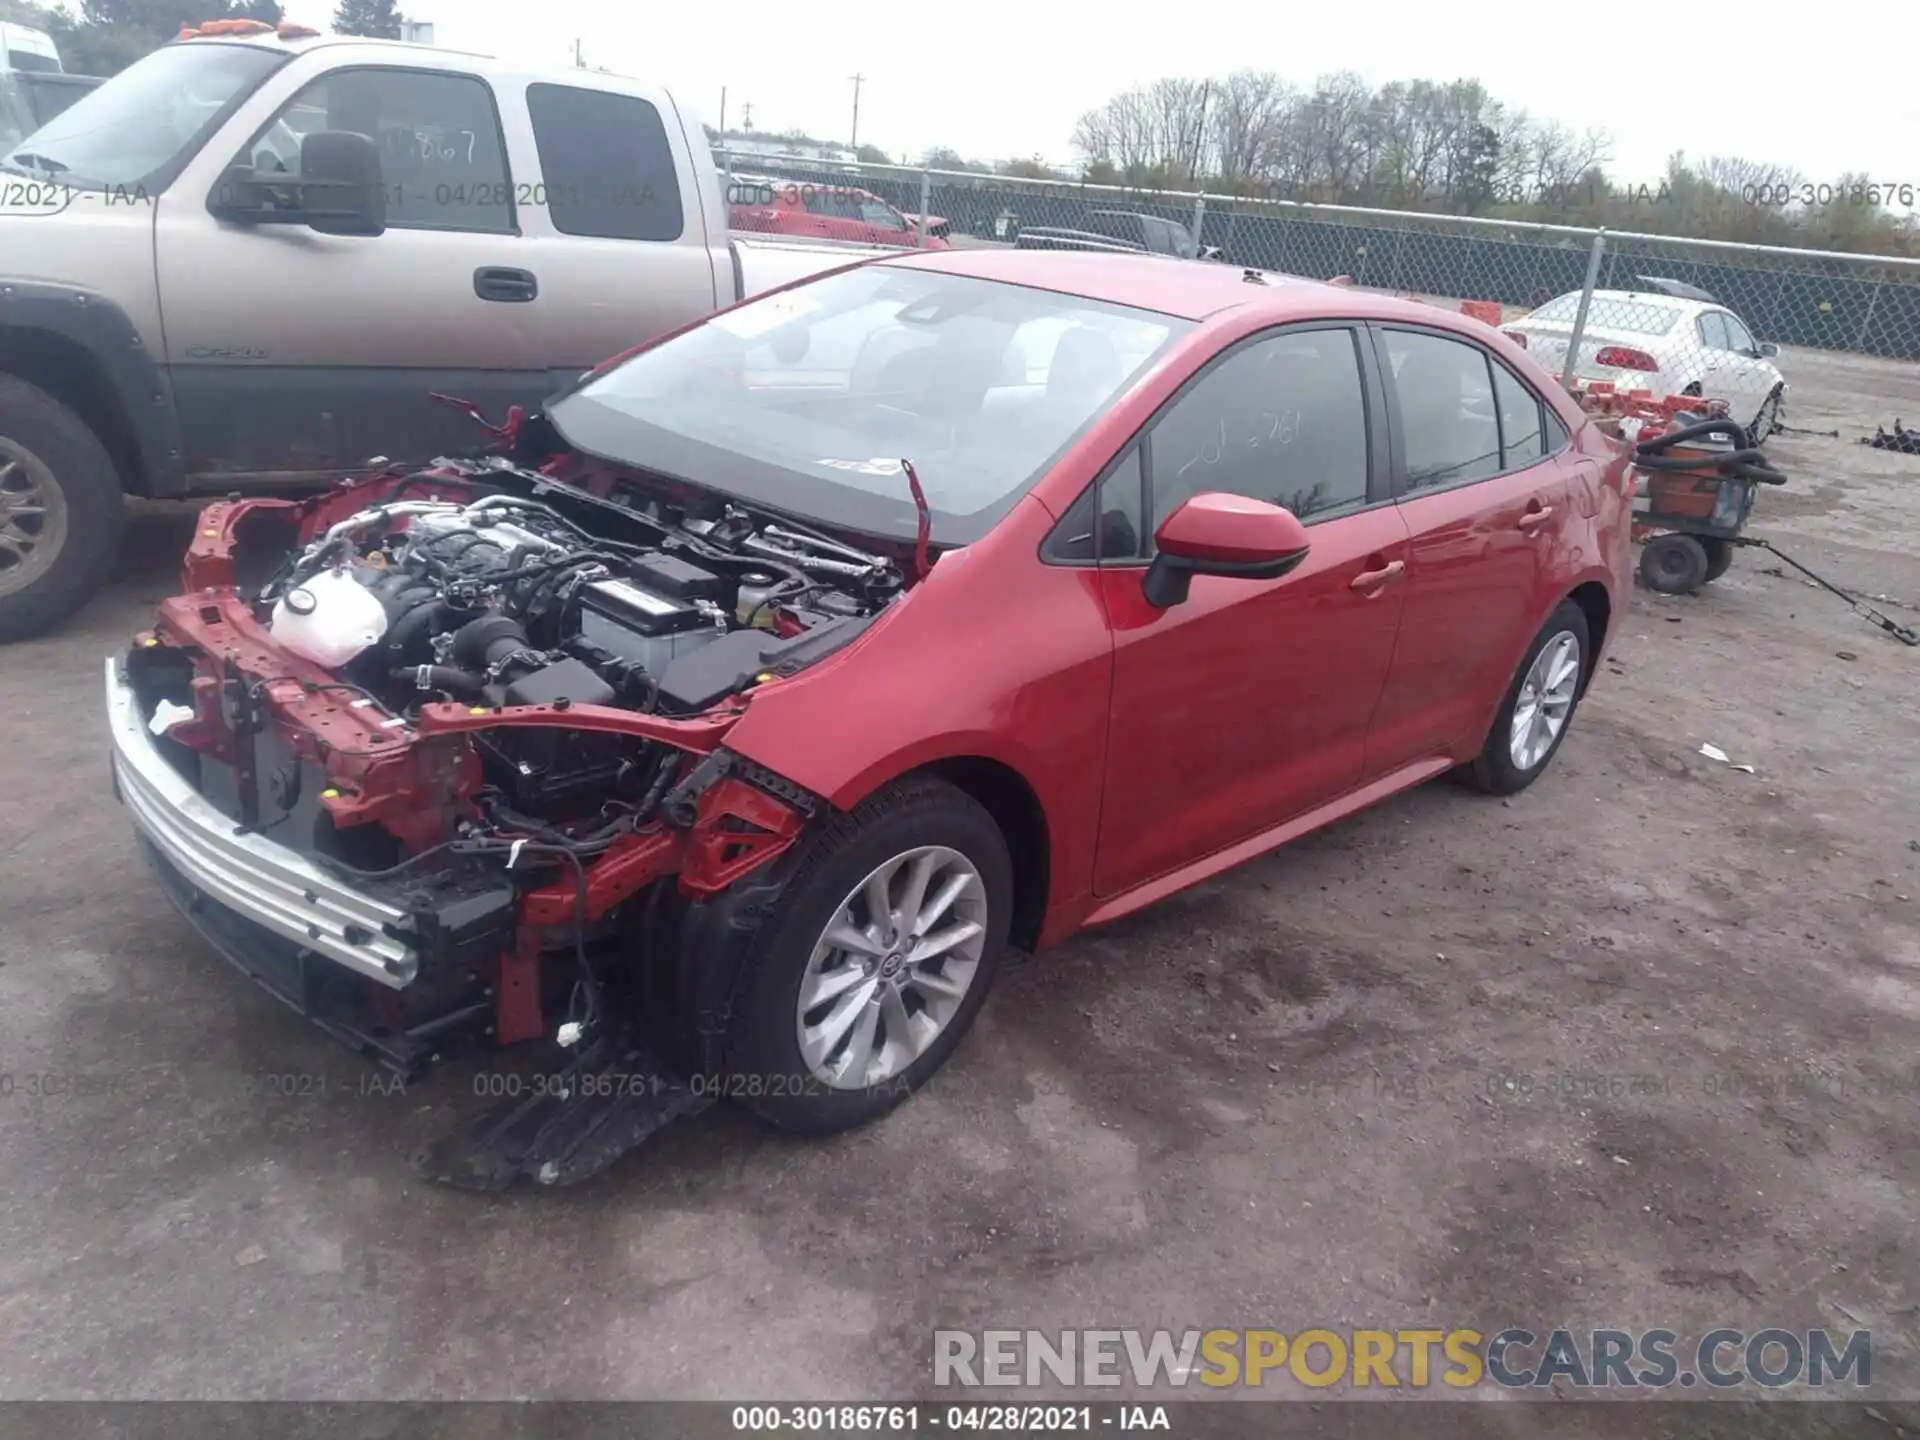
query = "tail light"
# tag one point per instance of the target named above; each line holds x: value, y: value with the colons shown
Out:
x: 1517, y: 337
x: 1619, y: 357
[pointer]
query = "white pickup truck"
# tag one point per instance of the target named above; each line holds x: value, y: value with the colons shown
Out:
x: 252, y: 258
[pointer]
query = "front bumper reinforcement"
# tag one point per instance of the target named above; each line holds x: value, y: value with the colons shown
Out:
x: 274, y: 887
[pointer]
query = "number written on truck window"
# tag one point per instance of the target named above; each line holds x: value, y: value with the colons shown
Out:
x: 439, y: 136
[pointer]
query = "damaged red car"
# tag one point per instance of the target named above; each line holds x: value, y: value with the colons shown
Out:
x: 726, y: 722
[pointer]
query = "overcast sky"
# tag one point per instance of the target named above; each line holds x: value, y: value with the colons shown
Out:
x: 1821, y: 90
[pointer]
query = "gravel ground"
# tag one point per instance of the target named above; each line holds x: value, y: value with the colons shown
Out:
x: 1635, y: 1048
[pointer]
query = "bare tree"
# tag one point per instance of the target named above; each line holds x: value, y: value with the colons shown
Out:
x: 1248, y: 109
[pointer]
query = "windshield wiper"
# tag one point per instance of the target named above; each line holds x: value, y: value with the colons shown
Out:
x: 40, y: 162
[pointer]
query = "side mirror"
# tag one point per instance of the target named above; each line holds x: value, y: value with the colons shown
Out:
x: 1768, y: 350
x: 339, y: 190
x: 1218, y: 534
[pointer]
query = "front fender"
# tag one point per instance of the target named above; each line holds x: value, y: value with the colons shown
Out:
x: 117, y: 351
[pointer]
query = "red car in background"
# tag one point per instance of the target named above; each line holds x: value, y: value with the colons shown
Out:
x: 826, y: 212
x: 779, y: 675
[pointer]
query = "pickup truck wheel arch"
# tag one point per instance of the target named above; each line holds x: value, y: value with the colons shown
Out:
x: 61, y: 510
x: 81, y: 348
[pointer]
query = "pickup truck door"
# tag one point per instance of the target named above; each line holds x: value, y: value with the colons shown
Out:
x: 628, y: 228
x: 294, y: 353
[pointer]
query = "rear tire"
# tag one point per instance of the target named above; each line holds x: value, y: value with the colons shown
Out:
x: 780, y: 1062
x: 62, y: 513
x: 1719, y: 558
x: 1538, y: 709
x: 1673, y: 564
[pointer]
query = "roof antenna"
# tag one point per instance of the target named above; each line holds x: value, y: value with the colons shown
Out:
x: 1253, y: 277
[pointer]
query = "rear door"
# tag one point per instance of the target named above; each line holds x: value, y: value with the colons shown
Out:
x: 1248, y: 704
x: 627, y: 240
x: 1486, y: 504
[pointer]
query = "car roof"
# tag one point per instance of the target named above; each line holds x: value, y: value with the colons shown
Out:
x: 1188, y: 289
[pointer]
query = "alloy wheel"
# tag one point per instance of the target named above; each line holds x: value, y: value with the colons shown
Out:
x: 1545, y: 700
x: 33, y: 518
x: 892, y: 968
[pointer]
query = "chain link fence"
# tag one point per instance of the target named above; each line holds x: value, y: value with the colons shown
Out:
x: 1665, y: 313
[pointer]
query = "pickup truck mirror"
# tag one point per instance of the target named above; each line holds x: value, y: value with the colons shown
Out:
x: 339, y: 190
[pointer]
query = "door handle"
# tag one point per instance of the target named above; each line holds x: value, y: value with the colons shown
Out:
x: 1534, y: 519
x: 505, y: 284
x: 1372, y: 582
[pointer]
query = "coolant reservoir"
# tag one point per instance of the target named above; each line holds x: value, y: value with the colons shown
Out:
x: 328, y: 619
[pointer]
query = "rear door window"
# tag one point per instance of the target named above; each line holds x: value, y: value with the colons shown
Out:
x: 608, y: 166
x: 1450, y: 429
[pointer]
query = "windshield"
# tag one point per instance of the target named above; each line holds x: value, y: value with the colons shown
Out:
x: 139, y: 128
x: 806, y: 401
x: 1611, y: 312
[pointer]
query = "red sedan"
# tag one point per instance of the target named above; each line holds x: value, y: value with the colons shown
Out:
x: 827, y: 212
x: 781, y: 674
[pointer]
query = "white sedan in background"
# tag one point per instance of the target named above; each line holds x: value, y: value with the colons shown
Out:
x: 1664, y: 343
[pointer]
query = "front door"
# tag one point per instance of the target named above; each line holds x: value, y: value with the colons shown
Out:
x: 294, y: 353
x: 1249, y: 703
x: 1485, y: 503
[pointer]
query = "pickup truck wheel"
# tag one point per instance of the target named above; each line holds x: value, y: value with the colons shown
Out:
x: 61, y: 511
x: 874, y: 961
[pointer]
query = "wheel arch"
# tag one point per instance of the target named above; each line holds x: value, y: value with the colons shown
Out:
x: 1004, y: 793
x: 1597, y: 605
x: 73, y: 375
x: 83, y: 350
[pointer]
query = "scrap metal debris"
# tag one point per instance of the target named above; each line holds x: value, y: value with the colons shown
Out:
x: 1906, y: 441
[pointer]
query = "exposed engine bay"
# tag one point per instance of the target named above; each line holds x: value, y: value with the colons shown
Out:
x: 447, y: 747
x: 507, y: 600
x: 504, y: 600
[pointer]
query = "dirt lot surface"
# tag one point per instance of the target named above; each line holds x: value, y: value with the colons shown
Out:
x: 1639, y: 1047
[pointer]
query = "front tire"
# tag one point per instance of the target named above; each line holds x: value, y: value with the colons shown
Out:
x: 1538, y: 709
x: 1766, y: 420
x: 874, y: 961
x: 61, y: 511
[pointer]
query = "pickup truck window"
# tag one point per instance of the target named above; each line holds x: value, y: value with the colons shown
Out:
x: 804, y: 399
x: 140, y: 131
x: 608, y: 168
x: 441, y: 153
